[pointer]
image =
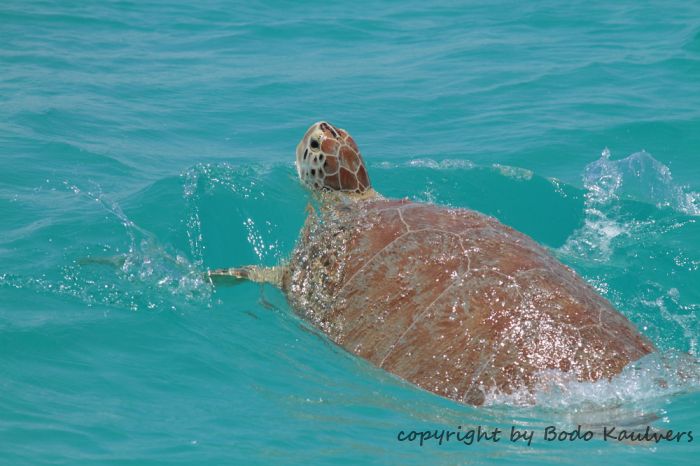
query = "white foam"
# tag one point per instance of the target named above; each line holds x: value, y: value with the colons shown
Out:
x: 515, y: 173
x: 446, y: 164
x: 646, y: 380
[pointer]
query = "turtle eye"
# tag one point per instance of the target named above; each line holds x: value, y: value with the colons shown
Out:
x: 315, y: 144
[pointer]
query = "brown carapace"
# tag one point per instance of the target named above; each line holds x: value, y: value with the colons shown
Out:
x: 328, y: 159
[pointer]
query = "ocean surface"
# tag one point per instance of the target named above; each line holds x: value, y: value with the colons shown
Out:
x: 143, y: 143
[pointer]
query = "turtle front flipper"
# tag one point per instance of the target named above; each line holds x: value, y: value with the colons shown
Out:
x: 254, y: 273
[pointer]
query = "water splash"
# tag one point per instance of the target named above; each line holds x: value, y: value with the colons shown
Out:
x: 245, y: 184
x: 201, y: 181
x: 148, y: 275
x: 679, y: 319
x: 638, y: 177
x: 132, y: 267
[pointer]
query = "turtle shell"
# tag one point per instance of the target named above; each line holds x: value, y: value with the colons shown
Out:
x: 453, y: 301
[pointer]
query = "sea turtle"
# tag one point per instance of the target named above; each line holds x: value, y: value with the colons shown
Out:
x: 449, y: 299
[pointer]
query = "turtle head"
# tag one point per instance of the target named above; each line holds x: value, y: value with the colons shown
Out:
x: 328, y: 159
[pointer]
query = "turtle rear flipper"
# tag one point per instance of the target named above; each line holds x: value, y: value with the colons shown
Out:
x: 254, y: 273
x: 232, y: 276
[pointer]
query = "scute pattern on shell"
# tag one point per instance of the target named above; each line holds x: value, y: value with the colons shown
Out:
x: 452, y: 300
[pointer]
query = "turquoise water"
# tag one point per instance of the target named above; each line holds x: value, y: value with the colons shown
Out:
x: 157, y: 138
